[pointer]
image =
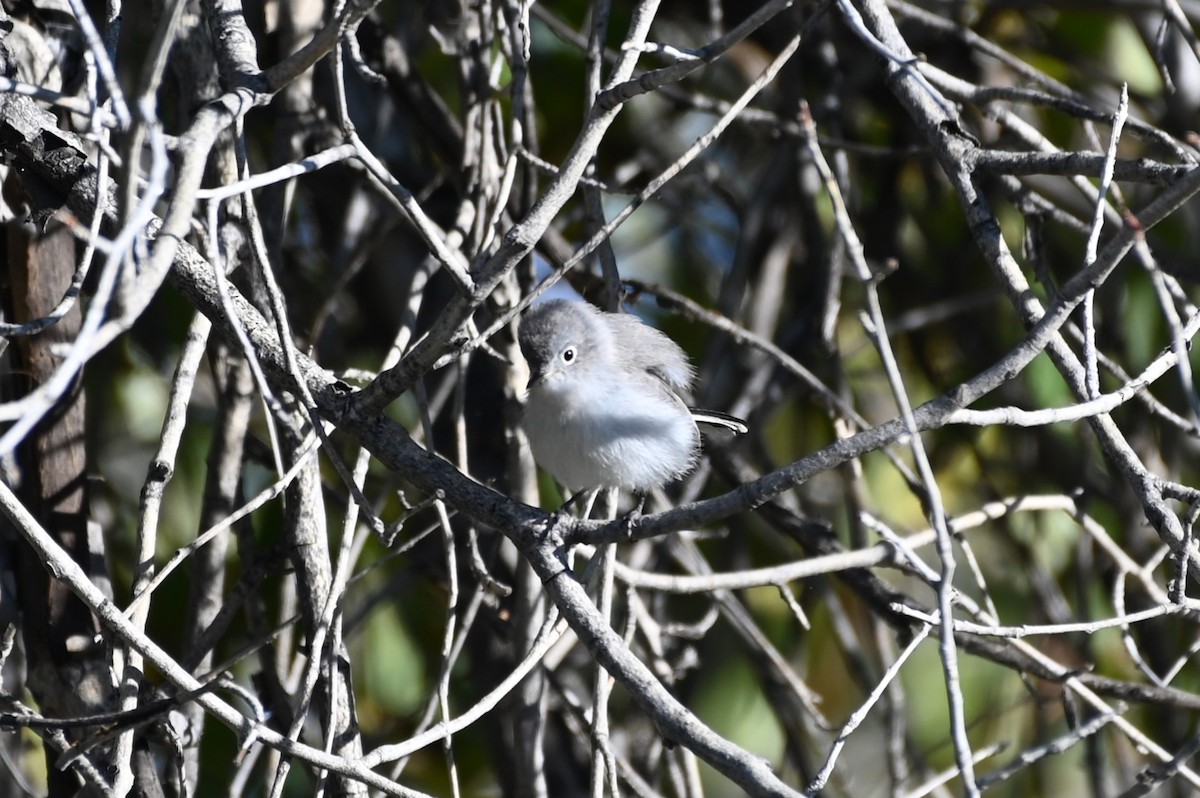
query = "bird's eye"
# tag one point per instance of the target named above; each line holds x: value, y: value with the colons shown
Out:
x: 568, y: 355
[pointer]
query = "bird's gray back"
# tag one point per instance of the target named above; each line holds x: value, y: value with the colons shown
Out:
x: 651, y: 350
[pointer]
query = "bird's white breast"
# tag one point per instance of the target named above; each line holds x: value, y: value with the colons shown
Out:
x: 610, y: 433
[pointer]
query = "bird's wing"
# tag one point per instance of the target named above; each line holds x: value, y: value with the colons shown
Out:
x: 653, y: 351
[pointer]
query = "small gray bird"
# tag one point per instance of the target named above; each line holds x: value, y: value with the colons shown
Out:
x: 606, y: 405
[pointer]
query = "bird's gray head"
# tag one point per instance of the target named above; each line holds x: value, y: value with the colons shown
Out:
x: 561, y: 337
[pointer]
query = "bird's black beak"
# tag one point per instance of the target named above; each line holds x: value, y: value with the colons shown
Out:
x: 535, y: 374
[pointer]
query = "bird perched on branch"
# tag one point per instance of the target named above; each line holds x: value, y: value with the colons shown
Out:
x: 607, y: 403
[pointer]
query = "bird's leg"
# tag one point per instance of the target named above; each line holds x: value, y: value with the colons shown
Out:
x: 633, y: 516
